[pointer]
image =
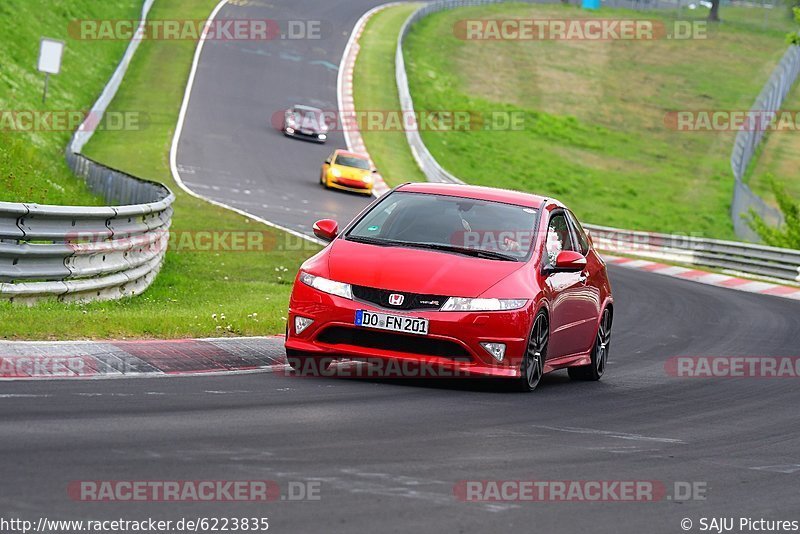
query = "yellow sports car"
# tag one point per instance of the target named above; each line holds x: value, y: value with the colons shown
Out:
x: 348, y: 171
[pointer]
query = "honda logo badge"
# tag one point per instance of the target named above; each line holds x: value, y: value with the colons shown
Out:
x: 395, y: 299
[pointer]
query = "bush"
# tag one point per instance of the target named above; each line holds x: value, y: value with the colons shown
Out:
x: 788, y: 235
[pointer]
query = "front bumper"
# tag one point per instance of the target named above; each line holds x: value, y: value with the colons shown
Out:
x: 313, y: 136
x: 452, y: 343
x: 352, y: 185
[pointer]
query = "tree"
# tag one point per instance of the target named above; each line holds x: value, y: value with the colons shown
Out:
x: 713, y: 15
x: 788, y: 235
x: 794, y: 37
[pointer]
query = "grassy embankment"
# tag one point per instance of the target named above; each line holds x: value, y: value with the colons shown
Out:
x: 594, y: 131
x: 32, y: 165
x: 197, y: 293
x: 779, y: 157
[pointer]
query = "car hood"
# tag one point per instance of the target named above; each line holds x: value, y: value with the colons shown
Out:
x: 415, y: 270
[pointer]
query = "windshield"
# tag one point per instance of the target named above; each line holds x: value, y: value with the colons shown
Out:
x: 309, y: 118
x: 503, y: 231
x: 349, y: 161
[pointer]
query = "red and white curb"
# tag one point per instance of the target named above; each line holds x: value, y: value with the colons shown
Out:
x: 49, y: 360
x: 347, y: 107
x: 704, y: 277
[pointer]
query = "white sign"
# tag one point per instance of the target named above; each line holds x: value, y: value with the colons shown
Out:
x: 50, y: 52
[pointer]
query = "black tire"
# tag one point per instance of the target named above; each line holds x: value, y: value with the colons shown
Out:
x: 532, y: 366
x: 597, y: 367
x: 306, y: 364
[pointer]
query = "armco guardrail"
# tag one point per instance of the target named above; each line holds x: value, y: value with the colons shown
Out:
x: 770, y: 262
x: 783, y: 264
x: 79, y: 253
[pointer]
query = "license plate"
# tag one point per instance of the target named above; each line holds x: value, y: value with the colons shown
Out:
x: 395, y: 323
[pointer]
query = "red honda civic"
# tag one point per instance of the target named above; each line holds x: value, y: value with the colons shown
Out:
x: 475, y: 280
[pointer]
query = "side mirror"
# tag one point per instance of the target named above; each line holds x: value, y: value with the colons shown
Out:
x: 374, y: 171
x: 569, y: 261
x: 328, y: 162
x: 328, y: 229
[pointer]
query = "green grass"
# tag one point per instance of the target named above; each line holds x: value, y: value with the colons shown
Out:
x: 594, y: 134
x: 776, y: 20
x: 375, y: 90
x: 250, y: 289
x: 32, y: 166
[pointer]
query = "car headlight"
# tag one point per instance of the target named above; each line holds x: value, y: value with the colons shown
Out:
x: 336, y: 172
x: 327, y: 286
x: 467, y: 305
x: 323, y: 136
x: 367, y: 178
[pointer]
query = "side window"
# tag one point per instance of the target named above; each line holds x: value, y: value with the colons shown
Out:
x: 559, y: 237
x: 583, y: 240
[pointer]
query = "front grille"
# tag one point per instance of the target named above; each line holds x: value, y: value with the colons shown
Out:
x: 374, y: 339
x: 351, y: 182
x: 411, y: 301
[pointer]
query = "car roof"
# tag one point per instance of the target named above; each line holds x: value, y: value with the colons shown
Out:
x: 305, y: 108
x: 343, y: 152
x: 479, y: 192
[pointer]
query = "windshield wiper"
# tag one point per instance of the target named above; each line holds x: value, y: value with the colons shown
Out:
x: 372, y: 240
x: 474, y: 252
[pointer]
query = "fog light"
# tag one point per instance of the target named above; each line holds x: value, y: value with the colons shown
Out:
x: 290, y: 130
x: 301, y: 323
x: 497, y: 350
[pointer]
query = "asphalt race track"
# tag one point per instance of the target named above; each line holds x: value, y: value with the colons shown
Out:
x: 231, y: 152
x: 388, y: 454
